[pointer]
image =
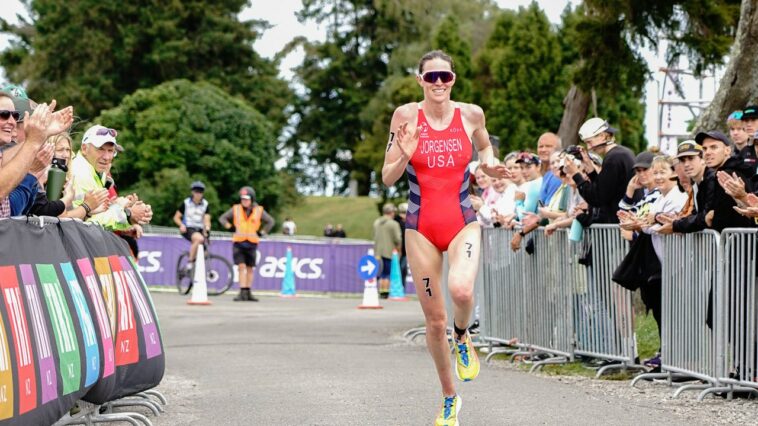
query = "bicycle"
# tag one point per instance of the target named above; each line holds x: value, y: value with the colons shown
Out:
x: 219, y: 275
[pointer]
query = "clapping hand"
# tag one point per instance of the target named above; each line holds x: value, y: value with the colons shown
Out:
x: 623, y: 215
x: 732, y: 184
x: 61, y: 120
x: 631, y: 225
x: 43, y: 122
x: 42, y: 160
x: 665, y: 218
x: 141, y: 213
x: 709, y: 218
x: 751, y: 209
x: 97, y: 200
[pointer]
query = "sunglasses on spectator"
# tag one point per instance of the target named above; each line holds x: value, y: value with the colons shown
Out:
x: 433, y: 76
x: 105, y: 131
x: 6, y: 114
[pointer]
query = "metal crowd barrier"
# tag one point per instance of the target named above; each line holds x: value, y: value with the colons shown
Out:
x: 561, y: 301
x: 737, y: 315
x: 549, y: 326
x: 548, y: 303
x: 689, y: 348
x: 604, y: 309
x: 709, y: 312
x: 502, y: 284
x: 88, y: 413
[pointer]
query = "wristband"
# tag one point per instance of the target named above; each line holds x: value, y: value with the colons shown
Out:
x: 87, y: 210
x: 521, y: 233
x: 128, y: 214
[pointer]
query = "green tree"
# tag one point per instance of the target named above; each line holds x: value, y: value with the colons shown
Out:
x: 181, y: 131
x: 608, y: 34
x: 341, y: 75
x: 448, y: 39
x: 520, y: 78
x: 370, y: 44
x: 621, y: 104
x: 91, y: 53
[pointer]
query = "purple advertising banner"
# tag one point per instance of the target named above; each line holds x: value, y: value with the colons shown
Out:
x: 319, y: 266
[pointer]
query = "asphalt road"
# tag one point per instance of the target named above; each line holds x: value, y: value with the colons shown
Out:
x: 321, y: 361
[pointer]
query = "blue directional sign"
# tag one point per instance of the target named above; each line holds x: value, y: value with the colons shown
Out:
x: 368, y: 267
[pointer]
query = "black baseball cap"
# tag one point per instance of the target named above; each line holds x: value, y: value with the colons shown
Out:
x: 750, y: 113
x: 644, y: 160
x: 713, y: 134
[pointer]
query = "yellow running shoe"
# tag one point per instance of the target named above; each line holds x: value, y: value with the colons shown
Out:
x: 467, y: 361
x: 449, y: 413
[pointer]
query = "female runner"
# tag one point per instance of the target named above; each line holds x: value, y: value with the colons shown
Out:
x: 432, y: 141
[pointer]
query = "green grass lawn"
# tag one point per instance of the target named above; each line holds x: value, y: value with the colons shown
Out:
x: 356, y: 214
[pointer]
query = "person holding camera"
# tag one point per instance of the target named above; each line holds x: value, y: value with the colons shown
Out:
x: 575, y: 205
x: 194, y: 220
x: 90, y: 170
x: 603, y: 190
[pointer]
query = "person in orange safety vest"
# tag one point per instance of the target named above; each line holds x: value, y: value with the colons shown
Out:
x: 250, y: 222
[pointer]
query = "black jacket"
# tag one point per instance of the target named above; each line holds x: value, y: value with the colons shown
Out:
x: 604, y: 190
x: 704, y: 199
x: 750, y: 160
x: 724, y: 215
x: 44, y: 207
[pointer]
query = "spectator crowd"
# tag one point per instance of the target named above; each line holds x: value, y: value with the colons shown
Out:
x: 709, y: 183
x: 40, y: 173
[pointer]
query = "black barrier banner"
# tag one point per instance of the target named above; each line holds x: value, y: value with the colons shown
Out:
x: 76, y: 321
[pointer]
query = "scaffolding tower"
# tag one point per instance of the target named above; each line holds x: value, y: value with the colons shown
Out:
x: 682, y: 96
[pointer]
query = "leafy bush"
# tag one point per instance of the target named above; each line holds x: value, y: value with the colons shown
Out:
x: 181, y: 131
